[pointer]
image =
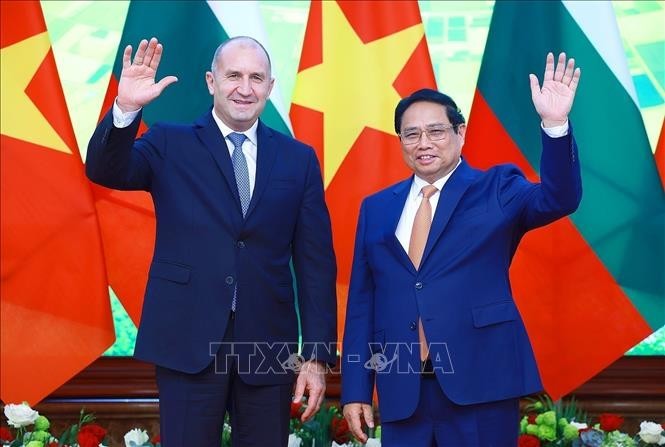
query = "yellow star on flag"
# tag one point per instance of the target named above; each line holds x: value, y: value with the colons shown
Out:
x: 353, y: 86
x: 20, y: 118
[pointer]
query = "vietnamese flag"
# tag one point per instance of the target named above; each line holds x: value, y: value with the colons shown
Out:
x: 359, y: 58
x: 589, y: 287
x: 55, y: 309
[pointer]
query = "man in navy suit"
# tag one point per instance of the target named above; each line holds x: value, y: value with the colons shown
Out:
x: 430, y: 314
x: 235, y: 203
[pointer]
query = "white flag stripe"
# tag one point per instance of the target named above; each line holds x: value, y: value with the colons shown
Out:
x: 598, y: 22
x: 243, y: 18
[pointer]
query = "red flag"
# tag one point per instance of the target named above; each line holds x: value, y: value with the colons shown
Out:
x: 55, y: 308
x: 358, y: 59
x: 660, y: 154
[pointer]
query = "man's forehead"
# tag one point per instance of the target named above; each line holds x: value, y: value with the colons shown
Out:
x: 239, y: 46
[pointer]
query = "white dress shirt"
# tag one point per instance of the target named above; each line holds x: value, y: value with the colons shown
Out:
x: 249, y: 146
x: 405, y: 225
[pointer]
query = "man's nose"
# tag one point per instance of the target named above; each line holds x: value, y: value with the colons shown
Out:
x: 424, y: 141
x: 245, y: 87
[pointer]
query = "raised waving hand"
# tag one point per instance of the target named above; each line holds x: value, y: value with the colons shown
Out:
x: 137, y: 86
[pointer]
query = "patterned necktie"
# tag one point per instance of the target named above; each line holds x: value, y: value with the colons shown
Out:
x: 242, y: 181
x: 421, y: 225
x: 240, y: 170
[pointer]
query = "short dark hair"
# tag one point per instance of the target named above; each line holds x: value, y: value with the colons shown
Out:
x: 428, y: 95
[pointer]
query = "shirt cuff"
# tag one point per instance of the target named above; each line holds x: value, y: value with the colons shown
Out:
x: 123, y: 119
x: 556, y: 131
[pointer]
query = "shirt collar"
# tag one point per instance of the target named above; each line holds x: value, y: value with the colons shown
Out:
x: 418, y: 183
x: 226, y: 130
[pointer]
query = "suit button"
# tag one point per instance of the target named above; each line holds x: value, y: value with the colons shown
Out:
x: 241, y: 244
x: 413, y: 326
x: 419, y: 285
x: 229, y: 280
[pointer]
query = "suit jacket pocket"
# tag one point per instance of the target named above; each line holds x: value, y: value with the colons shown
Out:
x: 494, y: 313
x: 171, y: 272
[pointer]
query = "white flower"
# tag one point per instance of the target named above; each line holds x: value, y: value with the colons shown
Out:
x: 334, y: 444
x: 373, y: 442
x: 294, y: 441
x: 579, y: 425
x: 20, y: 415
x: 136, y: 437
x: 650, y: 432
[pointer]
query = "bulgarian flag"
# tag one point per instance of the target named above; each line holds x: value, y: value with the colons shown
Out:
x: 54, y: 308
x: 190, y: 33
x: 359, y: 58
x: 589, y: 287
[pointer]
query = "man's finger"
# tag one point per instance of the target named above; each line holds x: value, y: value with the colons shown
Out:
x: 150, y: 51
x: 165, y: 82
x: 140, y: 52
x: 300, y: 388
x: 127, y: 57
x: 355, y: 425
x: 560, y: 67
x: 369, y: 415
x: 314, y: 400
x: 549, y: 67
x: 535, y: 86
x: 576, y: 79
x: 568, y: 74
x: 157, y: 57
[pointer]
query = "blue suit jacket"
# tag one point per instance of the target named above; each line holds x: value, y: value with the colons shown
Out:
x: 479, y: 345
x: 204, y: 247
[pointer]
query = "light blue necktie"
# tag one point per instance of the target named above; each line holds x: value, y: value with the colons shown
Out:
x: 242, y: 181
x: 240, y: 169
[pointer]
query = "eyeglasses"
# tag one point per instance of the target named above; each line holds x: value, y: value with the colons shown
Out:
x: 412, y: 136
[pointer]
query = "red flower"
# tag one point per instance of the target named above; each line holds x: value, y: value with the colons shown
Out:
x: 87, y: 439
x: 340, y: 430
x: 156, y: 439
x: 532, y: 418
x: 610, y: 421
x: 5, y: 434
x: 53, y: 444
x: 528, y: 441
x: 295, y: 409
x: 97, y: 431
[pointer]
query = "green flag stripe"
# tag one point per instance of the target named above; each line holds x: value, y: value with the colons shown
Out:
x: 190, y: 33
x: 623, y: 207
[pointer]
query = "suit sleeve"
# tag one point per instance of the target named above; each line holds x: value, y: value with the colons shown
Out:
x: 116, y: 160
x: 559, y: 192
x: 357, y: 380
x: 316, y: 271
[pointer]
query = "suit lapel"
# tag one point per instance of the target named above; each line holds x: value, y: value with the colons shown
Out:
x: 213, y: 140
x: 265, y: 159
x: 451, y: 194
x: 393, y: 214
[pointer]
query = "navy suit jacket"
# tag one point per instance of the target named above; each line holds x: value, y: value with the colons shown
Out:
x: 479, y: 346
x: 204, y: 247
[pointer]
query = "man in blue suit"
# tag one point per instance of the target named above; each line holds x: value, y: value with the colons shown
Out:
x: 235, y: 202
x: 430, y: 314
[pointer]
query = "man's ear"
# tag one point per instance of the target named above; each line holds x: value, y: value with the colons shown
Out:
x: 210, y: 81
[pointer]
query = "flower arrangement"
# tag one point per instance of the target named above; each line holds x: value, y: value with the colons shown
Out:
x: 85, y: 433
x: 545, y: 424
x: 550, y: 424
x: 327, y: 428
